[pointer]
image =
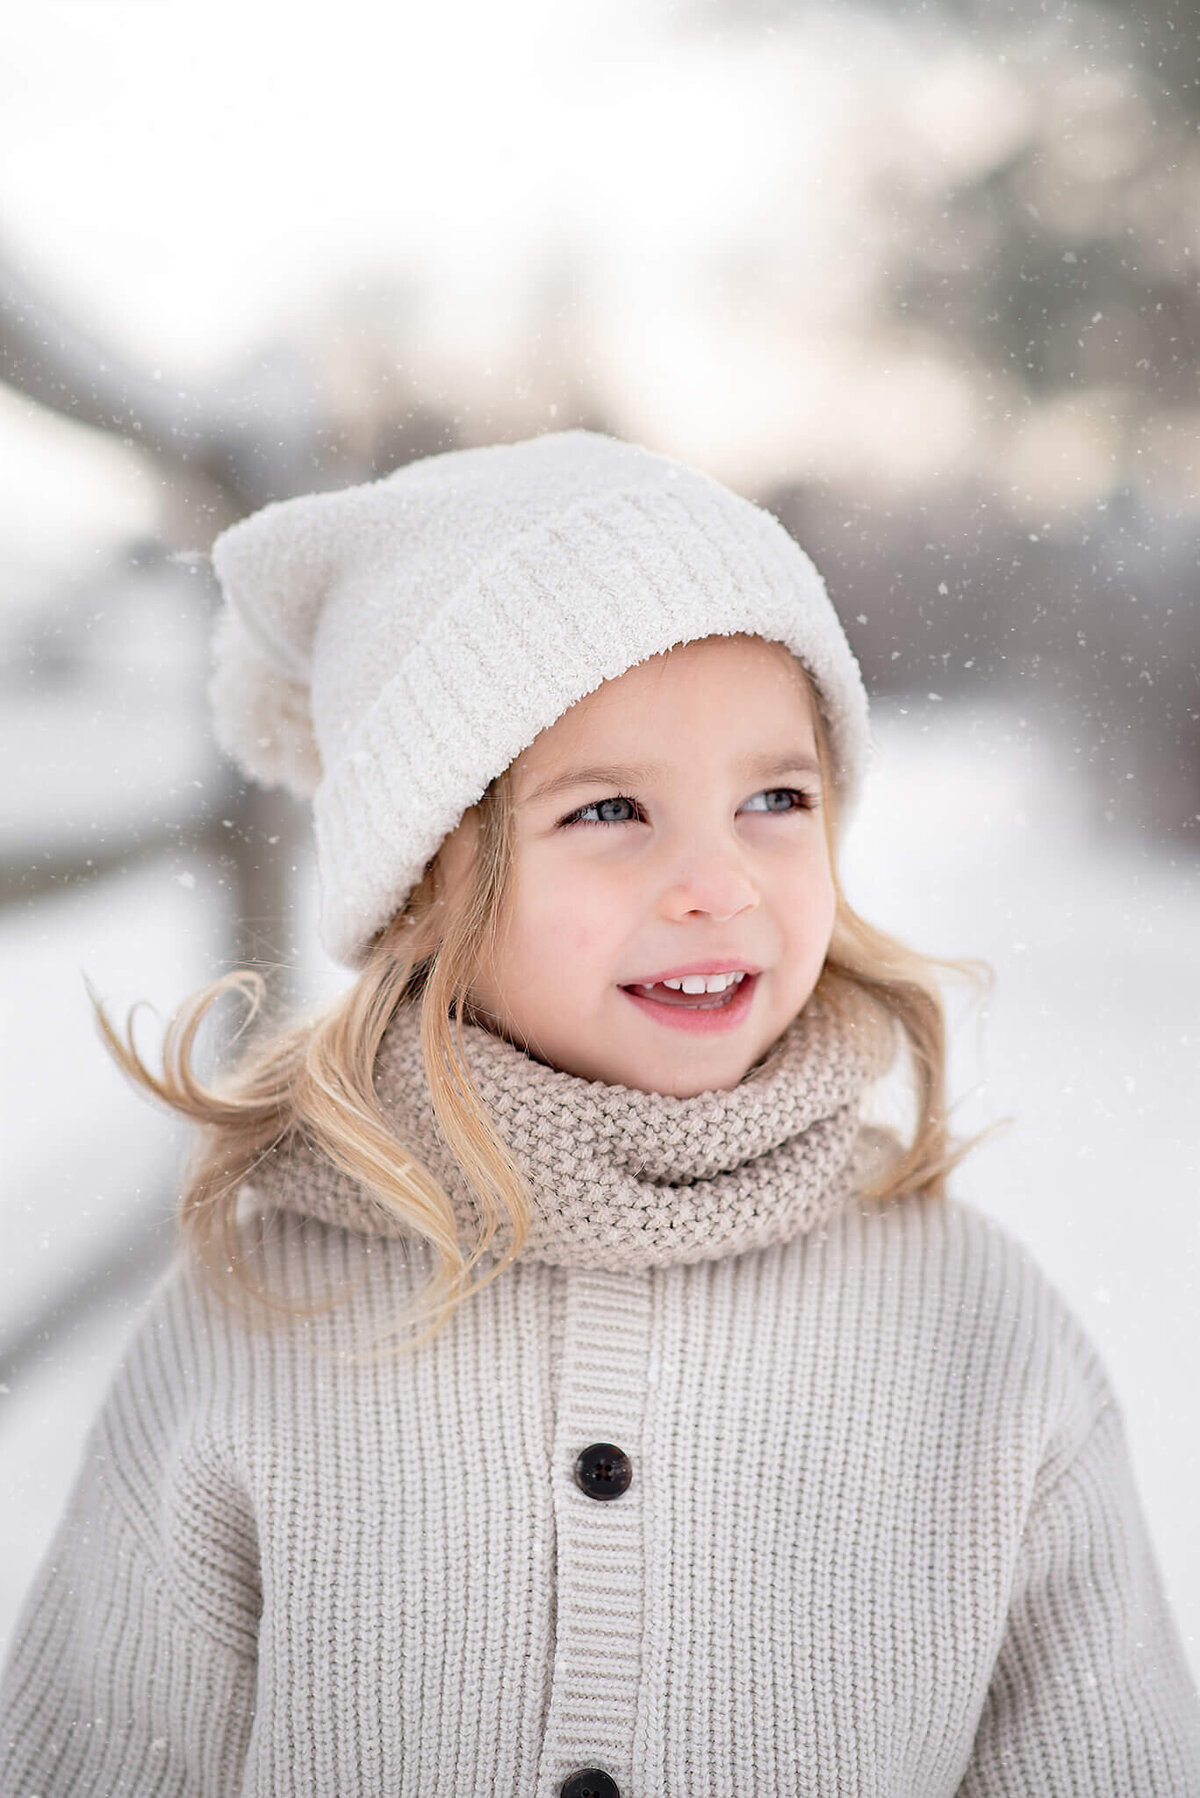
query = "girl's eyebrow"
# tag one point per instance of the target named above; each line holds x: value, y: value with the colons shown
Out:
x: 773, y: 767
x: 608, y: 774
x: 614, y: 774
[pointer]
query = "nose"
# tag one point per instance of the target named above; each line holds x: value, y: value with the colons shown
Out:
x: 710, y: 880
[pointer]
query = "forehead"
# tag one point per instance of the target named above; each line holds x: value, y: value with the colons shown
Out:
x: 736, y: 690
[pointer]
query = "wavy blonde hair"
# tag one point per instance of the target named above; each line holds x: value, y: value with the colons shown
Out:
x: 312, y: 1078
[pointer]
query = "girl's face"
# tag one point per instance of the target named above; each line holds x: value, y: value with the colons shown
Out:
x: 666, y: 828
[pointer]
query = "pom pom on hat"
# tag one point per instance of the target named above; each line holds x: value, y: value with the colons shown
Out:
x: 261, y: 718
x: 389, y: 649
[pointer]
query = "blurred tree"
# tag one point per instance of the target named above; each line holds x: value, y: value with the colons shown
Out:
x: 1059, y: 271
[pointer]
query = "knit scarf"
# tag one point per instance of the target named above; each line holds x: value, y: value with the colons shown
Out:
x: 622, y: 1179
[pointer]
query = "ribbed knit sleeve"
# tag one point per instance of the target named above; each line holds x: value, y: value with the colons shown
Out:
x: 133, y: 1668
x: 1090, y: 1694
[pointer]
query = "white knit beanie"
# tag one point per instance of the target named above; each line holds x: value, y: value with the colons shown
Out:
x: 388, y: 649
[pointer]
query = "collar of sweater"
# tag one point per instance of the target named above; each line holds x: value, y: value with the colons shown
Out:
x: 622, y: 1179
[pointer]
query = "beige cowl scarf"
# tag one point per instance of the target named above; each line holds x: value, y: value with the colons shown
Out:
x: 623, y: 1179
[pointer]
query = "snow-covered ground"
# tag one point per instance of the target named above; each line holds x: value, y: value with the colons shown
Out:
x: 970, y: 842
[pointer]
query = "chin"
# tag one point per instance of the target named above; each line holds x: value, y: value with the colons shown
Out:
x: 687, y: 1082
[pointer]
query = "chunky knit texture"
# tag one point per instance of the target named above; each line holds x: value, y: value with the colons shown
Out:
x: 880, y: 1536
x: 626, y: 1179
x: 390, y: 648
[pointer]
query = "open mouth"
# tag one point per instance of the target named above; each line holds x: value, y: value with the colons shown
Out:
x: 673, y: 993
x: 669, y: 1003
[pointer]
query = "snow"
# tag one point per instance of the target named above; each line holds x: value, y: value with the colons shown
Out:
x: 971, y: 841
x: 101, y: 702
x: 85, y: 1192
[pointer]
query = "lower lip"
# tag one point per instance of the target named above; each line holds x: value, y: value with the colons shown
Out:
x: 713, y: 1022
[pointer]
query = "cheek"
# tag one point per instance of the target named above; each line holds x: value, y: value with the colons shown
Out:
x: 826, y: 894
x: 810, y: 902
x: 561, y: 914
x: 826, y: 910
x: 826, y: 918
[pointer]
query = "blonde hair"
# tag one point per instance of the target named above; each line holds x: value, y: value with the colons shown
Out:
x: 312, y: 1079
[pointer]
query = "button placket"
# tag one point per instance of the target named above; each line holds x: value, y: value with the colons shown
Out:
x: 600, y: 1556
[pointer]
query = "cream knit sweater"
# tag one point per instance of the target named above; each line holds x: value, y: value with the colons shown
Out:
x: 859, y: 1519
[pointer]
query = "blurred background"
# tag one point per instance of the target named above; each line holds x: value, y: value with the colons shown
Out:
x: 920, y: 277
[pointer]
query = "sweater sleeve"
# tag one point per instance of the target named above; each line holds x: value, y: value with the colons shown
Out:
x: 1090, y: 1694
x: 133, y: 1668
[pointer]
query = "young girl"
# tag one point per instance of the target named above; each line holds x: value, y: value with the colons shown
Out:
x: 565, y: 1391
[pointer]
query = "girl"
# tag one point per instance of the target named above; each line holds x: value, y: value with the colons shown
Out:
x: 565, y: 1390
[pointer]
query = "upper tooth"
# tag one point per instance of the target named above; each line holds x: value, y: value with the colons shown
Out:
x: 704, y: 983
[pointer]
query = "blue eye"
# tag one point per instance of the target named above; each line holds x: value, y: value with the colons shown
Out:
x: 604, y: 811
x: 794, y: 800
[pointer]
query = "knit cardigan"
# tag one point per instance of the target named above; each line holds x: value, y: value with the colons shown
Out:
x: 732, y: 1483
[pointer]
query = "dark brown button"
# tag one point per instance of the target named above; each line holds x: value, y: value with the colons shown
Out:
x: 591, y: 1783
x: 603, y: 1471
